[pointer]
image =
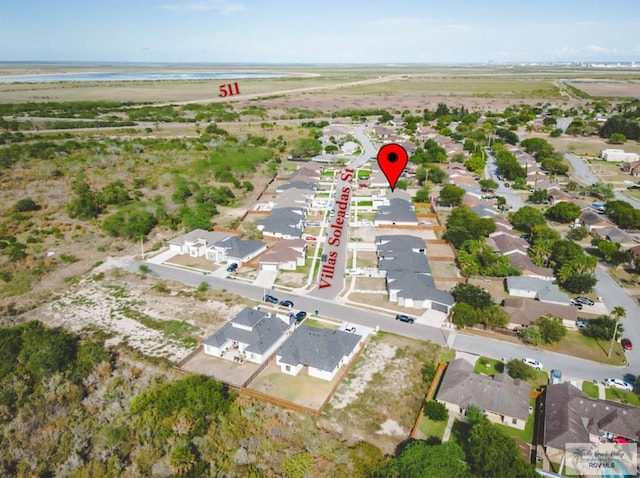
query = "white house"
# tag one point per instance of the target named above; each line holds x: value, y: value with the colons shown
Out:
x: 534, y: 288
x: 196, y: 242
x: 322, y: 351
x: 233, y: 249
x: 251, y: 335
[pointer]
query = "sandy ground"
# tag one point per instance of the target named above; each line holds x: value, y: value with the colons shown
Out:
x: 112, y: 303
x: 373, y: 360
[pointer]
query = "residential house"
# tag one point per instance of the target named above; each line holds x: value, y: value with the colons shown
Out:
x: 633, y: 168
x: 400, y: 242
x: 417, y: 290
x: 526, y: 266
x: 321, y: 351
x: 196, y: 242
x: 305, y: 185
x: 286, y: 255
x: 398, y: 212
x: 524, y: 312
x: 533, y: 288
x: 557, y: 195
x: 350, y: 147
x: 507, y: 244
x: 504, y: 399
x: 293, y: 197
x: 233, y: 249
x: 617, y: 235
x: 251, y: 335
x: 572, y: 417
x: 383, y: 132
x: 593, y: 220
x: 286, y: 223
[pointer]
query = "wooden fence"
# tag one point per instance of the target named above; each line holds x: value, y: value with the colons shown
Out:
x: 430, y: 392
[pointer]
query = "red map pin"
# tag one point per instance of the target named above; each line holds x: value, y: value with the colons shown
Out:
x: 392, y: 159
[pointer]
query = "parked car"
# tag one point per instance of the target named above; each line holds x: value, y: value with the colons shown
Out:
x: 618, y: 383
x: 232, y: 267
x: 324, y: 257
x: 300, y: 315
x: 626, y: 344
x: 577, y: 305
x: 271, y: 299
x: 584, y: 301
x: 581, y: 324
x: 533, y: 363
x: 286, y: 303
x: 556, y: 376
x: 405, y: 318
x: 311, y: 238
x: 350, y: 328
x: 355, y: 272
x: 312, y: 223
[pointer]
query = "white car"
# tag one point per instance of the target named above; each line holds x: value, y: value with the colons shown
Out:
x: 618, y: 383
x: 533, y: 363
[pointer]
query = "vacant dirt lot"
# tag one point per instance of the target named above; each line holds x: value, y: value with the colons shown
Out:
x: 156, y: 318
x: 379, y: 399
x: 629, y: 89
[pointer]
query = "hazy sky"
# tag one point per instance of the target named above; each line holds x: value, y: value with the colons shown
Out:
x: 328, y: 31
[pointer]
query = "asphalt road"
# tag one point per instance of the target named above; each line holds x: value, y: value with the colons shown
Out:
x: 571, y: 366
x: 310, y: 304
x: 337, y: 283
x: 514, y: 200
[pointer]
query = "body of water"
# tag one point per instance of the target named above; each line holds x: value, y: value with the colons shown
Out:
x: 135, y: 77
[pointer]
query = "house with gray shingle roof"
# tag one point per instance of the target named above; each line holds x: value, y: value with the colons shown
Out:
x: 285, y: 222
x: 398, y: 212
x: 534, y: 288
x: 251, y: 335
x: 504, y: 400
x: 233, y: 249
x: 508, y: 244
x: 400, y: 242
x: 417, y: 290
x: 406, y: 261
x: 592, y: 220
x: 617, y: 235
x: 572, y: 417
x: 322, y: 351
x: 307, y: 186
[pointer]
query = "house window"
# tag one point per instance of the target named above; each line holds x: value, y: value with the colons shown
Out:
x: 287, y: 368
x: 514, y: 421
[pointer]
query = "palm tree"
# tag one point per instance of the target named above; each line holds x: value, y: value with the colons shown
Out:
x: 618, y: 312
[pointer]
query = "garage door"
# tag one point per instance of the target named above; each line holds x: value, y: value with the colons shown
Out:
x: 269, y: 267
x: 440, y: 307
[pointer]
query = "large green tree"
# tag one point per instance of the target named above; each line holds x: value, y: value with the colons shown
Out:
x: 451, y: 195
x: 445, y: 460
x: 464, y: 224
x: 525, y: 218
x: 564, y: 212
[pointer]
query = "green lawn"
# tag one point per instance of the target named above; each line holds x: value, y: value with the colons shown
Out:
x: 623, y: 396
x: 590, y: 389
x: 431, y: 428
x: 525, y: 435
x: 576, y: 344
x: 488, y: 366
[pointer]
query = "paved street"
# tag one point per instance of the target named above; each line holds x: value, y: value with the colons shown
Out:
x: 514, y: 199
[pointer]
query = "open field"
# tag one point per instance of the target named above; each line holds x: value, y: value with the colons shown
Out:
x: 380, y: 396
x: 488, y: 87
x: 612, y: 89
